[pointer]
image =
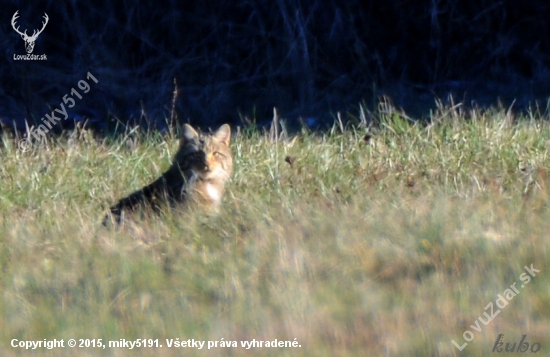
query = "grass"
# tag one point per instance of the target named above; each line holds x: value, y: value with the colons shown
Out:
x: 391, y: 243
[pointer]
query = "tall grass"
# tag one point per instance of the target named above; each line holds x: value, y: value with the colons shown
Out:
x: 387, y: 241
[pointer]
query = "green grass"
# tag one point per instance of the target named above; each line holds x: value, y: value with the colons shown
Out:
x: 389, y: 246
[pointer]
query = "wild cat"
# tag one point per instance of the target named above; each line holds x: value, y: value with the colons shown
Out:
x: 198, y: 174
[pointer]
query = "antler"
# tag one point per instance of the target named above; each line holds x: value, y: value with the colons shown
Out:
x: 15, y: 16
x: 42, y: 29
x: 34, y: 33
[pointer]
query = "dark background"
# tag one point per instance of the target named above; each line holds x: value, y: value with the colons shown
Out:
x: 242, y: 58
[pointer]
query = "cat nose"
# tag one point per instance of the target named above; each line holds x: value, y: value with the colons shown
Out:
x: 203, y: 164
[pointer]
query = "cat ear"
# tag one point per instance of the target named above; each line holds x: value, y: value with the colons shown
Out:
x: 223, y: 134
x: 189, y: 133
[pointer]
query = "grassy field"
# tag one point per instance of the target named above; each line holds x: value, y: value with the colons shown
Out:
x: 386, y: 242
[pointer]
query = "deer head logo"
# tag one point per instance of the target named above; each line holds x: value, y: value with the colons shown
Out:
x: 29, y: 40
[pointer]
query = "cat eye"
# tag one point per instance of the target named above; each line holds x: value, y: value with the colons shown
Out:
x: 217, y: 154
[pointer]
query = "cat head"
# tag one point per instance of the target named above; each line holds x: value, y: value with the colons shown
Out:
x: 209, y: 153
